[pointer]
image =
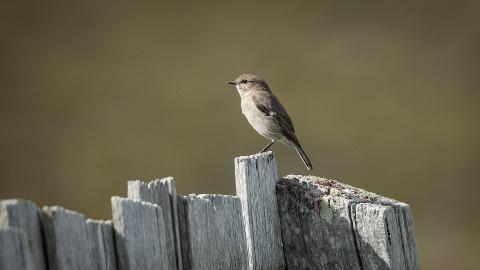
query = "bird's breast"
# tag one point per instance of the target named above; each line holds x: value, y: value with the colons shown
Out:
x: 262, y: 123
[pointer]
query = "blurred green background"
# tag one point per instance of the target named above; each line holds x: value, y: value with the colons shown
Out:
x: 384, y: 96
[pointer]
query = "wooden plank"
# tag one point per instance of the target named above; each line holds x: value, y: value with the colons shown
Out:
x: 139, y: 235
x: 102, y: 244
x: 212, y: 232
x: 230, y: 231
x: 255, y: 178
x: 15, y: 251
x: 330, y: 225
x: 66, y: 239
x: 23, y: 215
x: 163, y: 193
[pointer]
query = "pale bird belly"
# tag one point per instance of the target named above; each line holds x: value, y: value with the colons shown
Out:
x: 262, y: 123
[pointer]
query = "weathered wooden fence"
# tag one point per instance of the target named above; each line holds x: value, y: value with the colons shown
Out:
x: 295, y: 222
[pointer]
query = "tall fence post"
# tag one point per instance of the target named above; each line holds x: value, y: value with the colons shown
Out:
x: 255, y: 179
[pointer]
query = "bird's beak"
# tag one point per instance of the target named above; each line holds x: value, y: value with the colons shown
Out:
x: 231, y: 82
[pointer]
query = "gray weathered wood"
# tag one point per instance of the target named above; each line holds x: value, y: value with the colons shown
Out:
x: 102, y: 244
x: 139, y: 235
x: 298, y: 222
x: 162, y: 192
x: 330, y: 225
x: 255, y: 180
x: 15, y: 251
x: 66, y: 238
x: 23, y: 215
x: 212, y: 232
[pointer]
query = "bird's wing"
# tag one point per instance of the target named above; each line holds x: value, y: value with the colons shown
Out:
x: 271, y: 106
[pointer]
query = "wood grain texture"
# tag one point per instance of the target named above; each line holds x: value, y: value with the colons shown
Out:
x: 212, y: 232
x: 66, y: 238
x: 139, y: 235
x: 330, y: 225
x: 163, y: 193
x: 24, y: 215
x: 102, y: 244
x: 15, y: 251
x: 296, y: 222
x: 255, y: 179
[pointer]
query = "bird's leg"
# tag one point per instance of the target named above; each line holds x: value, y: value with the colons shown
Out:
x: 268, y: 146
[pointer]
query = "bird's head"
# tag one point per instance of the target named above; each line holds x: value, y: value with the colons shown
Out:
x: 247, y: 83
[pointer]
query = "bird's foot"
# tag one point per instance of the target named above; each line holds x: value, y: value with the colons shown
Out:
x: 266, y: 147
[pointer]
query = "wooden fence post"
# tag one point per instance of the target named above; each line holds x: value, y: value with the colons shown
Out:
x: 256, y: 177
x: 212, y: 232
x: 139, y: 235
x: 15, y: 251
x: 24, y: 215
x: 102, y: 244
x: 66, y: 238
x: 330, y: 225
x: 163, y: 193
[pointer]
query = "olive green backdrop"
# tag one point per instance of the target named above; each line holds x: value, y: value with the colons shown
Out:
x: 384, y: 96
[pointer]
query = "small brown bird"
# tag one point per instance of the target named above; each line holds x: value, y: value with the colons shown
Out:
x: 266, y: 114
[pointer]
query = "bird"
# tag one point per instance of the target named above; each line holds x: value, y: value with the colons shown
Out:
x: 266, y: 114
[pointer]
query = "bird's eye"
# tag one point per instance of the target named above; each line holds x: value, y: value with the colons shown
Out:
x: 243, y: 81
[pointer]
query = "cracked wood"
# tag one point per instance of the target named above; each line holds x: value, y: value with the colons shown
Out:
x: 255, y: 179
x: 330, y: 225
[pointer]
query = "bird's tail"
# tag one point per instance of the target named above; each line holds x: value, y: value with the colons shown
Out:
x: 291, y: 140
x: 304, y: 157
